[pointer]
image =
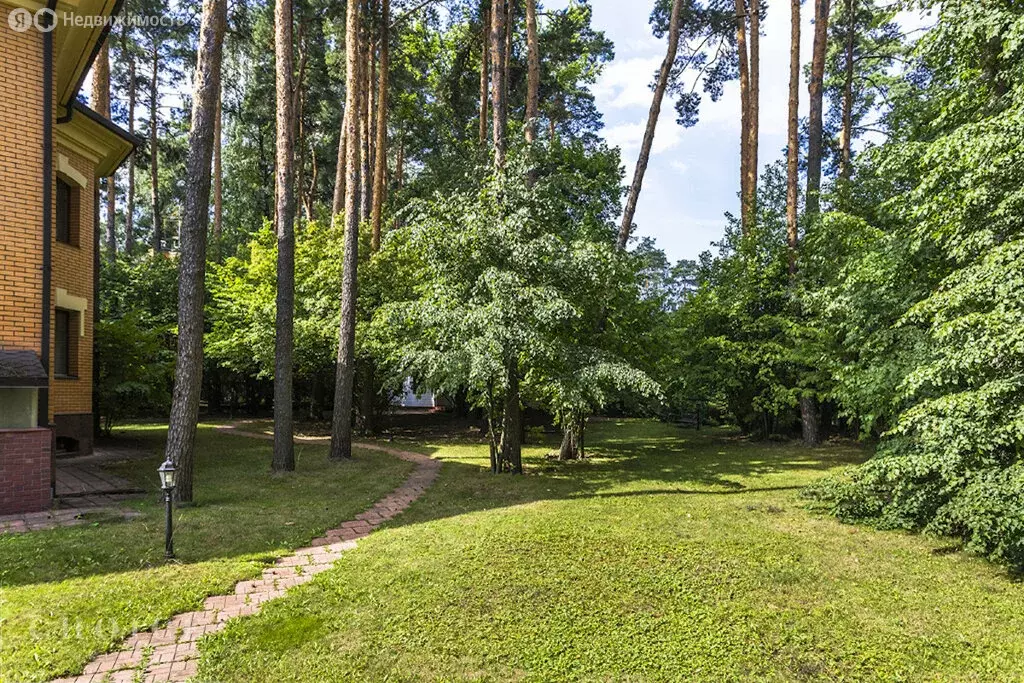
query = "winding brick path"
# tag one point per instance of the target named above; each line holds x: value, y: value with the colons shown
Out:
x: 171, y: 653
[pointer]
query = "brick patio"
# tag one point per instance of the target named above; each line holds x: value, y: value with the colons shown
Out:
x: 171, y: 653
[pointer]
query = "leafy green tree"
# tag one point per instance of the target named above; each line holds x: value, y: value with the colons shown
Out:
x: 934, y: 275
x: 510, y: 282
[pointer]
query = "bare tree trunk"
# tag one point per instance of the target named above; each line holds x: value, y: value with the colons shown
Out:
x: 129, y: 204
x: 652, y: 121
x: 188, y: 374
x: 572, y: 438
x: 154, y: 151
x: 498, y: 45
x: 810, y: 420
x: 533, y: 72
x: 341, y: 428
x: 512, y: 424
x: 569, y: 449
x: 365, y: 117
x: 338, y: 205
x: 485, y: 22
x: 218, y: 181
x: 793, y: 143
x: 754, y: 108
x: 809, y: 404
x: 744, y: 75
x: 381, y: 160
x: 814, y: 123
x: 299, y: 120
x: 284, y: 446
x: 846, y: 158
x: 400, y: 160
x: 309, y: 198
x: 101, y: 103
x: 509, y: 32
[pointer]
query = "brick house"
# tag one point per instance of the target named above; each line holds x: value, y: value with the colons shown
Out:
x: 53, y: 149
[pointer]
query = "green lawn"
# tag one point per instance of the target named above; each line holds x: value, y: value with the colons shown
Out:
x: 670, y: 555
x: 69, y: 594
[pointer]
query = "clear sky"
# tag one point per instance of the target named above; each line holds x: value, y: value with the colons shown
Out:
x: 693, y: 176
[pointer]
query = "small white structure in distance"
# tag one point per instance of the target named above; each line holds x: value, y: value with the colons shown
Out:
x: 410, y: 399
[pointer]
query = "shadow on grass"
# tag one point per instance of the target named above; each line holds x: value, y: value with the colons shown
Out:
x: 242, y: 510
x: 626, y: 459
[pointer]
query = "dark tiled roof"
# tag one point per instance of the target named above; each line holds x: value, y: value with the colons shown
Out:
x: 21, y: 369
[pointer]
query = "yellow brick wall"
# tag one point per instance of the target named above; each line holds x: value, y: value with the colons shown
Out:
x: 21, y: 221
x: 73, y: 272
x: 21, y: 169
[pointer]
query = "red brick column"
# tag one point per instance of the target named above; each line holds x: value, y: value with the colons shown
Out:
x: 25, y: 463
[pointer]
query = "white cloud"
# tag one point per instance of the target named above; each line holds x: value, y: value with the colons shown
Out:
x: 626, y: 83
x: 629, y: 136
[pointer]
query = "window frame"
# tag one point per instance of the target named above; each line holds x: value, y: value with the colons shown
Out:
x: 66, y: 367
x: 65, y: 215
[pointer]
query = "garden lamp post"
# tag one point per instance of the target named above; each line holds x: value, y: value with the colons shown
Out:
x: 168, y: 479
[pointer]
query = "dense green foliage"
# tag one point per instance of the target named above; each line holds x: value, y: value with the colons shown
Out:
x: 525, y: 273
x: 135, y: 337
x: 905, y: 316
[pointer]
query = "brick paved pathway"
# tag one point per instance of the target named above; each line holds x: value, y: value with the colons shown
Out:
x: 83, y: 487
x: 170, y: 653
x: 88, y: 479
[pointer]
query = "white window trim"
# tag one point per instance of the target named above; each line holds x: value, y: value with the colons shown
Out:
x: 73, y: 303
x: 65, y: 168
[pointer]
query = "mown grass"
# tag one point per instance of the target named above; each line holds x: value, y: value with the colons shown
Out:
x: 669, y: 555
x: 69, y: 594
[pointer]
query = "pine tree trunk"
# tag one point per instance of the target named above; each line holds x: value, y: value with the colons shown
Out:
x: 365, y: 117
x: 101, y: 103
x: 793, y: 142
x: 218, y: 181
x: 498, y: 76
x: 485, y: 23
x: 814, y: 122
x: 652, y: 121
x: 532, y: 72
x: 338, y: 205
x: 846, y: 157
x: 154, y: 152
x: 341, y: 428
x: 284, y: 446
x: 188, y: 375
x: 299, y: 123
x: 129, y: 203
x: 381, y: 159
x: 744, y: 76
x: 754, y: 109
x: 509, y: 32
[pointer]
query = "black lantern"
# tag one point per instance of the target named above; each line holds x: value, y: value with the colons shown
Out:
x: 168, y: 480
x: 168, y: 475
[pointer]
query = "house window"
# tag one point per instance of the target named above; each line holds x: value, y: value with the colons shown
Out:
x: 65, y: 345
x: 67, y: 214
